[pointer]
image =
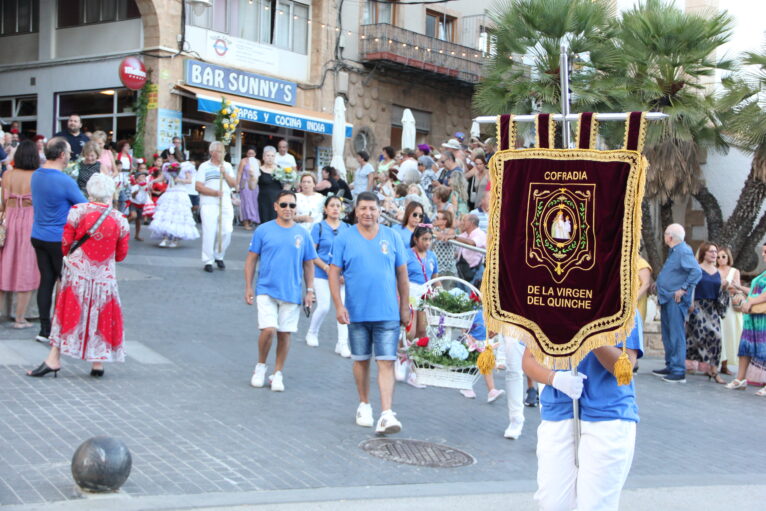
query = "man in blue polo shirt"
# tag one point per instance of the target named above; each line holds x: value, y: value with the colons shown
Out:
x: 373, y: 262
x: 287, y: 256
x: 608, y: 415
x: 53, y: 194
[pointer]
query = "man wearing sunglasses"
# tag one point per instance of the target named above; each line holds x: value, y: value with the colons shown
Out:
x: 373, y: 262
x: 287, y: 256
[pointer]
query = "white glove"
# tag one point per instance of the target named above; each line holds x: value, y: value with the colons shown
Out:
x: 568, y: 383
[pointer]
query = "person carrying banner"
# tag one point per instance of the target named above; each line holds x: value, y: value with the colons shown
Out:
x: 216, y: 208
x: 608, y: 415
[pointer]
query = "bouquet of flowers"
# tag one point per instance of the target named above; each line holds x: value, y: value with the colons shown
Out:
x: 286, y: 175
x: 226, y: 121
x: 455, y: 306
x: 441, y: 351
x: 72, y: 168
x: 172, y: 169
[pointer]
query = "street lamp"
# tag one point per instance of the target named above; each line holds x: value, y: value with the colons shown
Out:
x: 199, y: 6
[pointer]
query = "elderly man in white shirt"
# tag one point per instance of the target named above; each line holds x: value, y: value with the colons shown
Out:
x: 408, y: 168
x: 285, y: 159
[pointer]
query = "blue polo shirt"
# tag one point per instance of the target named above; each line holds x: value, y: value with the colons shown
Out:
x: 405, y: 234
x: 282, y: 252
x: 369, y: 268
x: 421, y: 270
x: 324, y: 237
x: 53, y: 193
x: 602, y: 399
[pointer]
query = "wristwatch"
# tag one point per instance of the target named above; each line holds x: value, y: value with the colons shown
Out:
x: 309, y: 289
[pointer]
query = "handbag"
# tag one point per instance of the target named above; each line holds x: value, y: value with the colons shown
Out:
x: 722, y: 303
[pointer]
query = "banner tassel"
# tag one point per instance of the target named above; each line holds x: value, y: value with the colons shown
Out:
x: 486, y: 360
x: 623, y: 369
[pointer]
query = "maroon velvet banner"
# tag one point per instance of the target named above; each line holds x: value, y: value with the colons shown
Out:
x: 563, y: 240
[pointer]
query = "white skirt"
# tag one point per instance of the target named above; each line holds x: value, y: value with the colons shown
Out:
x: 173, y: 217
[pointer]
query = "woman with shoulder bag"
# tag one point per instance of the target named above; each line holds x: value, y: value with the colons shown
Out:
x: 731, y: 325
x: 87, y: 323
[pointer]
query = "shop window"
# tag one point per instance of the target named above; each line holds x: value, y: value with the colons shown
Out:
x: 441, y: 26
x: 109, y: 110
x: 378, y: 11
x: 19, y: 17
x: 22, y: 110
x: 72, y: 13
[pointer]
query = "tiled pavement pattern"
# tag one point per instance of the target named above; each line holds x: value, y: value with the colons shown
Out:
x: 184, y: 406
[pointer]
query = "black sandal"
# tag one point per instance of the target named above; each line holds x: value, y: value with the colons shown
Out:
x: 42, y: 370
x: 97, y: 373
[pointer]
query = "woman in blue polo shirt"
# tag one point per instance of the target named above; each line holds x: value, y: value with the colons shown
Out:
x: 324, y: 234
x: 413, y: 215
x: 421, y: 267
x: 608, y: 415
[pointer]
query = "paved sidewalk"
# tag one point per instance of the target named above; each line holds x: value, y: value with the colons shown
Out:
x: 196, y: 428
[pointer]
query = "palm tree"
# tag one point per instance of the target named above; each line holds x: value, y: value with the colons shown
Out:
x: 523, y: 76
x: 668, y: 62
x: 742, y: 113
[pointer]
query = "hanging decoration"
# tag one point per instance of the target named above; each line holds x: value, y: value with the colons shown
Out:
x: 226, y: 121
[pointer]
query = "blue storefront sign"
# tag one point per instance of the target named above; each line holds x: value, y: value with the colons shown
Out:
x: 273, y: 117
x: 240, y: 83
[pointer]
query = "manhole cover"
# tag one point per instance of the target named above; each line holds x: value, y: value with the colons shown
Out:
x: 415, y: 452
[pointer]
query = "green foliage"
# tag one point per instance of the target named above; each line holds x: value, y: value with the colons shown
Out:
x: 453, y: 303
x: 741, y: 106
x: 425, y: 356
x: 140, y: 107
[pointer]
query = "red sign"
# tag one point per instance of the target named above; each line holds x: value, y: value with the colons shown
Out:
x: 132, y: 73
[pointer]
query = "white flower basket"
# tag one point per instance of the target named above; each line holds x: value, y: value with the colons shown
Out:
x: 462, y: 378
x: 434, y: 315
x: 462, y: 320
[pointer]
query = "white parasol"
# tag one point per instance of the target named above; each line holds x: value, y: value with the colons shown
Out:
x: 408, y: 129
x: 339, y: 136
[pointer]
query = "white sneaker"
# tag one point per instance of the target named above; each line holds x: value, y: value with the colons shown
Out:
x: 173, y: 244
x: 468, y: 393
x: 494, y: 394
x: 277, y: 385
x: 312, y: 340
x: 164, y: 243
x: 400, y: 370
x: 513, y: 431
x: 364, y: 415
x: 259, y: 375
x: 342, y: 349
x: 387, y: 424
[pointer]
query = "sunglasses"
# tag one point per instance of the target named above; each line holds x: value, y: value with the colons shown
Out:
x: 291, y: 205
x: 417, y: 215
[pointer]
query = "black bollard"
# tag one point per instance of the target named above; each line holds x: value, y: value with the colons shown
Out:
x: 101, y: 464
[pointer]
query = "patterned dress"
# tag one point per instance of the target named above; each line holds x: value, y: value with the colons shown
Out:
x: 88, y: 321
x: 703, y: 328
x: 753, y: 341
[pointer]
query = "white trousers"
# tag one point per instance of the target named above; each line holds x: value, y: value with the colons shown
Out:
x: 514, y: 380
x: 209, y: 216
x: 605, y: 455
x: 324, y: 301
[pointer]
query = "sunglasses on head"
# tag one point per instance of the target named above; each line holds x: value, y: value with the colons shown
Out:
x: 291, y: 205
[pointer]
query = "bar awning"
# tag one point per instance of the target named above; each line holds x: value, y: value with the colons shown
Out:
x: 266, y: 113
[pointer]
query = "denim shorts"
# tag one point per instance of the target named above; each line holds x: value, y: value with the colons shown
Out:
x: 384, y: 335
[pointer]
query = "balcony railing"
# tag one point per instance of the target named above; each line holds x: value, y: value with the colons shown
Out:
x: 384, y: 42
